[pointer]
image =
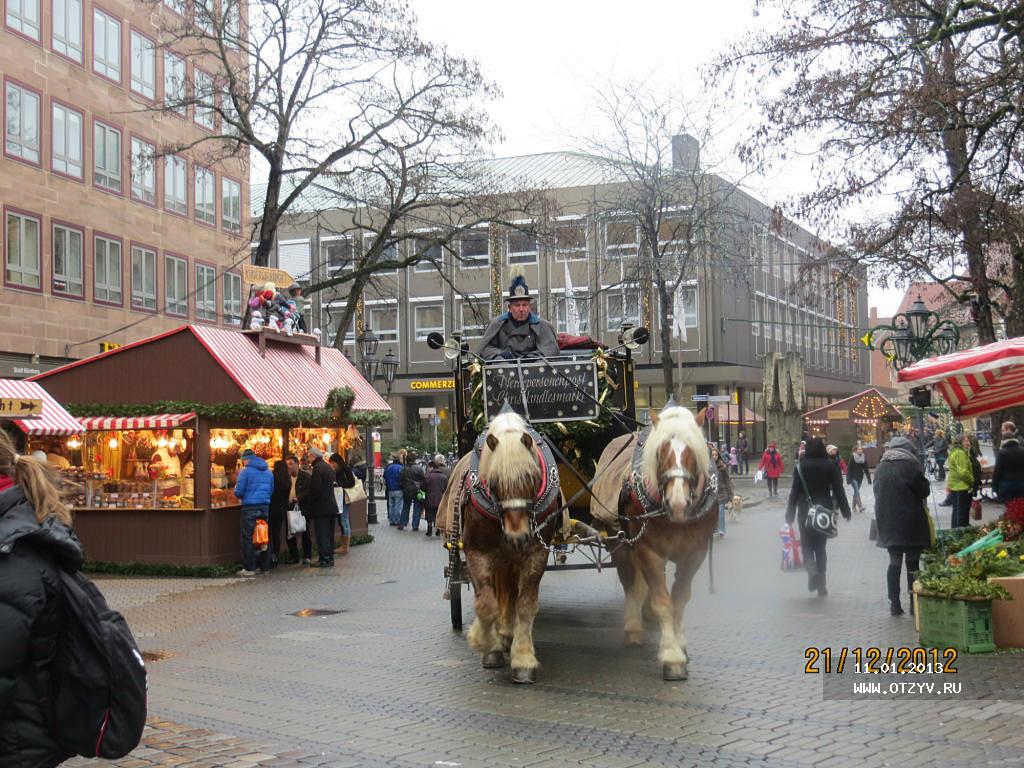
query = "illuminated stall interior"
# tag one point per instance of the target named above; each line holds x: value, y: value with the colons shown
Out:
x: 866, y: 417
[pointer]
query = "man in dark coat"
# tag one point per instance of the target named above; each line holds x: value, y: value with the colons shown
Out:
x: 900, y: 513
x: 412, y: 478
x: 30, y: 601
x: 434, y: 485
x: 1008, y: 476
x: 818, y: 477
x: 518, y: 332
x: 298, y: 493
x: 322, y: 508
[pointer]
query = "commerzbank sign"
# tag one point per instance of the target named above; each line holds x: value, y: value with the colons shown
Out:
x: 421, y: 384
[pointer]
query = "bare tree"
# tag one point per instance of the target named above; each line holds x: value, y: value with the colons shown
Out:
x: 343, y: 91
x: 913, y: 110
x: 663, y: 197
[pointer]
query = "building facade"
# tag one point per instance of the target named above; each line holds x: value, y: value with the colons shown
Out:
x: 106, y: 240
x: 765, y: 289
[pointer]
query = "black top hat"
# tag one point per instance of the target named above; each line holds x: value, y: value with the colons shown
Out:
x: 518, y: 289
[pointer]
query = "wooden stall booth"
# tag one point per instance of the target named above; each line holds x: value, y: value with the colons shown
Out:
x: 867, y: 417
x: 37, y: 422
x: 167, y: 418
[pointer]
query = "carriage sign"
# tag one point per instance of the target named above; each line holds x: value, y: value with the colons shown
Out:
x: 556, y: 390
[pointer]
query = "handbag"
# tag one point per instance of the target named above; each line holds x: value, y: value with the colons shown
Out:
x: 819, y: 517
x: 261, y: 534
x: 873, y: 530
x: 354, y: 494
x: 296, y: 521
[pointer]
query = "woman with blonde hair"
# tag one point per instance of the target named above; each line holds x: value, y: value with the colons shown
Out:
x: 35, y: 541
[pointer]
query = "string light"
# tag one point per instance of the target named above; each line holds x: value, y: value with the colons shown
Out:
x: 112, y: 443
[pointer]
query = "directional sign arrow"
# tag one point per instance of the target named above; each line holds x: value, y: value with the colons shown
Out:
x: 17, y: 408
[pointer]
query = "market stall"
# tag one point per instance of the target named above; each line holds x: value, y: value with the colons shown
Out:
x: 51, y: 429
x: 868, y: 417
x: 167, y: 418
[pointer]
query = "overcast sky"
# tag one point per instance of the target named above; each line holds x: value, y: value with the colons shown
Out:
x: 549, y: 56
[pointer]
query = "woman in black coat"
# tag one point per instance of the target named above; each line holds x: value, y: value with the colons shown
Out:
x: 35, y: 541
x: 824, y: 483
x: 900, y: 490
x: 278, y: 507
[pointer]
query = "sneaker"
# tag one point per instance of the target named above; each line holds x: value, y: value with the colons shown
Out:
x: 306, y: 561
x: 245, y: 573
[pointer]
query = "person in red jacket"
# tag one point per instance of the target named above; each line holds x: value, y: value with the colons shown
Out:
x: 771, y: 464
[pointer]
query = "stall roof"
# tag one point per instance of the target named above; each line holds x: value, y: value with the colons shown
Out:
x: 186, y: 363
x: 892, y: 409
x: 156, y: 421
x: 54, y: 419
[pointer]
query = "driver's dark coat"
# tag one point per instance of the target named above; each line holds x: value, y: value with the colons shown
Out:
x: 532, y: 335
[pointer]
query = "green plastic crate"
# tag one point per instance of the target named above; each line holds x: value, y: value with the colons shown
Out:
x: 962, y: 624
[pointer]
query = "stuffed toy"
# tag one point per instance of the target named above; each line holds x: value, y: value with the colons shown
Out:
x: 256, y: 320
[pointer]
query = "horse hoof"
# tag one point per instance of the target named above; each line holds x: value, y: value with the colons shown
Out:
x: 634, y: 639
x: 674, y: 671
x: 524, y: 676
x: 494, y: 660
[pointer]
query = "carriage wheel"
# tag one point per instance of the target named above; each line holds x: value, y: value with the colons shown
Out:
x: 455, y: 602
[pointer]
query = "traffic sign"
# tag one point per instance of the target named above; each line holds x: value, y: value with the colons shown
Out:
x: 719, y: 398
x: 20, y: 407
x: 699, y: 398
x: 428, y: 412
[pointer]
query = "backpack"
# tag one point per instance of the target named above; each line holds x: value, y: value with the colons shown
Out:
x: 98, y: 705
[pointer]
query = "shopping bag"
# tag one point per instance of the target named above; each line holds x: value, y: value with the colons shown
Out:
x: 296, y: 521
x: 355, y: 493
x: 261, y: 534
x: 759, y: 476
x: 790, y: 548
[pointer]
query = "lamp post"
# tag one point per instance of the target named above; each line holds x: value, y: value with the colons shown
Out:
x: 368, y: 343
x: 914, y: 335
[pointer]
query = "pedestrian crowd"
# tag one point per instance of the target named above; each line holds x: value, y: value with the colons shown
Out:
x: 414, y: 490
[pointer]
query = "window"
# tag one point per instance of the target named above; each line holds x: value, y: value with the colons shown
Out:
x: 522, y: 247
x: 68, y: 262
x: 755, y: 314
x: 143, y: 278
x: 67, y: 28
x: 23, y: 16
x: 429, y: 318
x: 232, y: 298
x: 203, y: 13
x: 175, y: 97
x: 623, y: 307
x: 582, y: 311
x: 66, y: 157
x: 571, y: 240
x: 474, y: 249
x: 689, y: 293
x: 206, y: 196
x: 429, y: 253
x: 206, y: 293
x: 204, y: 99
x: 382, y: 319
x: 175, y: 194
x: 143, y: 171
x: 473, y: 317
x: 21, y: 130
x: 178, y: 6
x: 106, y: 157
x: 336, y: 253
x: 620, y: 239
x: 230, y: 205
x: 389, y: 254
x: 232, y: 22
x: 176, y: 282
x: 143, y: 65
x: 106, y: 267
x: 106, y: 45
x: 22, y: 250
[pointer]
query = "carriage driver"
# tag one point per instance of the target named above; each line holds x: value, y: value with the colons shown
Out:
x: 518, y: 332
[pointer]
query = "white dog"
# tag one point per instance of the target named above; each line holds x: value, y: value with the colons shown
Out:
x: 735, y: 508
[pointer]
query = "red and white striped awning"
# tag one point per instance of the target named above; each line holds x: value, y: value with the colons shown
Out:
x: 976, y: 381
x: 54, y: 420
x: 156, y: 421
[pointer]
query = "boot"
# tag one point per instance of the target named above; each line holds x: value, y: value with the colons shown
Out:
x: 429, y: 532
x: 892, y: 583
x: 343, y: 548
x: 812, y: 574
x: 822, y: 590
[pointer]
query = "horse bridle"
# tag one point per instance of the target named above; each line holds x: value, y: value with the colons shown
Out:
x: 655, y: 507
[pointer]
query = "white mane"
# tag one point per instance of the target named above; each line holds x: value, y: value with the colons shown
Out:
x: 510, y: 463
x: 675, y: 423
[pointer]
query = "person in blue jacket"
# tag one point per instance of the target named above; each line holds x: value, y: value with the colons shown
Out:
x: 254, y: 488
x: 393, y: 483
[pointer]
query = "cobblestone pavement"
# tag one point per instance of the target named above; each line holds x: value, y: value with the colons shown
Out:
x: 385, y: 682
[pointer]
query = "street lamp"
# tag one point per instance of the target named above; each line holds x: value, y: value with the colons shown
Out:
x: 390, y: 366
x: 914, y: 335
x: 368, y: 343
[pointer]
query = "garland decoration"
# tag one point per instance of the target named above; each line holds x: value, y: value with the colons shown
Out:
x: 337, y: 411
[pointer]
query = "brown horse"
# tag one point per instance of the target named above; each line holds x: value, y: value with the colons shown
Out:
x: 659, y: 487
x: 506, y: 505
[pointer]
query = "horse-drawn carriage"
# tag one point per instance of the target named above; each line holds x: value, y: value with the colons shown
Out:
x: 552, y: 465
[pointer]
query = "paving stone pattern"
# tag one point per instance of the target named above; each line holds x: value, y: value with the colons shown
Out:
x: 386, y: 682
